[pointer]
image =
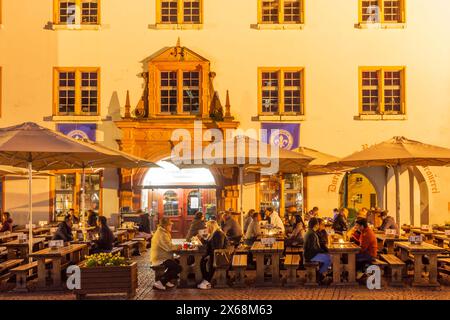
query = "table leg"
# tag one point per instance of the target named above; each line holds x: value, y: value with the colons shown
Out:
x: 56, y: 273
x: 197, y: 269
x: 184, y: 271
x: 336, y: 268
x: 259, y: 269
x: 351, y: 268
x: 418, y: 267
x: 42, y: 273
x: 11, y: 253
x: 276, y: 269
x: 433, y: 270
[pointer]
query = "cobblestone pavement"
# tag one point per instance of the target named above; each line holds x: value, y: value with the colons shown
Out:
x: 146, y: 278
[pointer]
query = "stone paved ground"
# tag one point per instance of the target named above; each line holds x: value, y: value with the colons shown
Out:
x: 146, y: 278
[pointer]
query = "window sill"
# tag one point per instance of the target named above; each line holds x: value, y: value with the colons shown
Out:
x: 294, y: 118
x: 175, y: 26
x: 77, y: 27
x: 76, y: 118
x: 277, y: 26
x: 381, y: 117
x: 380, y: 25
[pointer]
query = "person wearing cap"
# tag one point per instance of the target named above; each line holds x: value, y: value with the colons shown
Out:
x: 161, y: 253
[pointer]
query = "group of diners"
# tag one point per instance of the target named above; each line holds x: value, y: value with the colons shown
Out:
x: 309, y: 232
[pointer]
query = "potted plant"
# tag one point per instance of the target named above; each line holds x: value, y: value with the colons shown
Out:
x: 107, y: 273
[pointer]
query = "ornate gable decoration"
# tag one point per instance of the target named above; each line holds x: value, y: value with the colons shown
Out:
x: 179, y: 54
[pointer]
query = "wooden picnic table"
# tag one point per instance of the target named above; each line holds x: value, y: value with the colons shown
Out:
x: 197, y: 254
x: 344, y: 273
x: 19, y: 249
x: 121, y: 235
x: 440, y: 240
x: 429, y: 235
x: 418, y: 251
x: 36, y: 231
x: 6, y: 237
x: 388, y: 241
x: 76, y: 253
x: 274, y: 253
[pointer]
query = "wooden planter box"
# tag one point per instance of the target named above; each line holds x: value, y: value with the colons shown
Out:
x: 99, y: 280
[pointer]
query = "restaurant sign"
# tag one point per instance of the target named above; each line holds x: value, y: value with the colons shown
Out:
x: 83, y: 131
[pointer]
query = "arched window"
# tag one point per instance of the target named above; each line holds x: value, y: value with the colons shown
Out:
x: 170, y: 202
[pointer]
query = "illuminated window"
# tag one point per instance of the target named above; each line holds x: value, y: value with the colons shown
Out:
x: 77, y: 12
x: 382, y: 90
x: 77, y: 91
x: 281, y: 91
x: 170, y: 86
x: 179, y: 11
x: 382, y: 11
x: 280, y: 11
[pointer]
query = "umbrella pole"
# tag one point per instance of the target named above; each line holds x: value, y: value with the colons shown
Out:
x: 241, y: 191
x: 397, y: 193
x: 30, y: 208
x: 83, y: 203
x: 386, y: 177
x: 302, y: 192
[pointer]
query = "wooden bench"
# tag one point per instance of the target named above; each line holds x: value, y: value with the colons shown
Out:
x: 396, y: 268
x: 291, y: 263
x: 239, y: 265
x: 220, y: 275
x: 311, y: 273
x: 117, y: 250
x: 25, y: 272
x: 142, y: 244
x: 5, y: 268
x: 127, y: 248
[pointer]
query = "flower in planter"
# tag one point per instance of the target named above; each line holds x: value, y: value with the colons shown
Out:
x: 105, y: 260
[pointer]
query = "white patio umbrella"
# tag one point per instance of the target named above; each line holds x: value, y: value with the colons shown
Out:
x: 244, y: 152
x: 397, y: 152
x: 31, y: 146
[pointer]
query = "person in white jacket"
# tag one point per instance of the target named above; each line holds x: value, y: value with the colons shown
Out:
x: 275, y: 219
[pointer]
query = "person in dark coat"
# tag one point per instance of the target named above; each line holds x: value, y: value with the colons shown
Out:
x: 388, y: 222
x: 64, y: 231
x: 197, y: 224
x: 312, y: 250
x: 144, y: 222
x: 323, y: 235
x: 92, y: 218
x: 216, y: 240
x: 232, y: 229
x: 298, y: 233
x: 7, y: 222
x: 106, y: 237
x: 340, y: 223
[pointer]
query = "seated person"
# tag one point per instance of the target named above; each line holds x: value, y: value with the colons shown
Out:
x: 340, y: 223
x: 75, y: 216
x: 106, y: 237
x: 275, y: 219
x: 369, y: 245
x: 92, y: 218
x: 248, y: 219
x: 323, y: 235
x: 161, y: 253
x: 312, y: 250
x: 216, y: 240
x: 197, y: 224
x: 253, y: 229
x: 314, y: 213
x: 64, y: 231
x: 7, y: 222
x: 144, y: 225
x: 354, y: 235
x: 298, y: 233
x: 232, y: 229
x: 388, y: 222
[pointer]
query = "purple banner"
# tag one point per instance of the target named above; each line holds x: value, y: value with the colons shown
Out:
x: 78, y: 130
x: 288, y: 136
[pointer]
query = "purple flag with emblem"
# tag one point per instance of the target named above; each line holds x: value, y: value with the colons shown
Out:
x: 288, y: 136
x: 78, y: 130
